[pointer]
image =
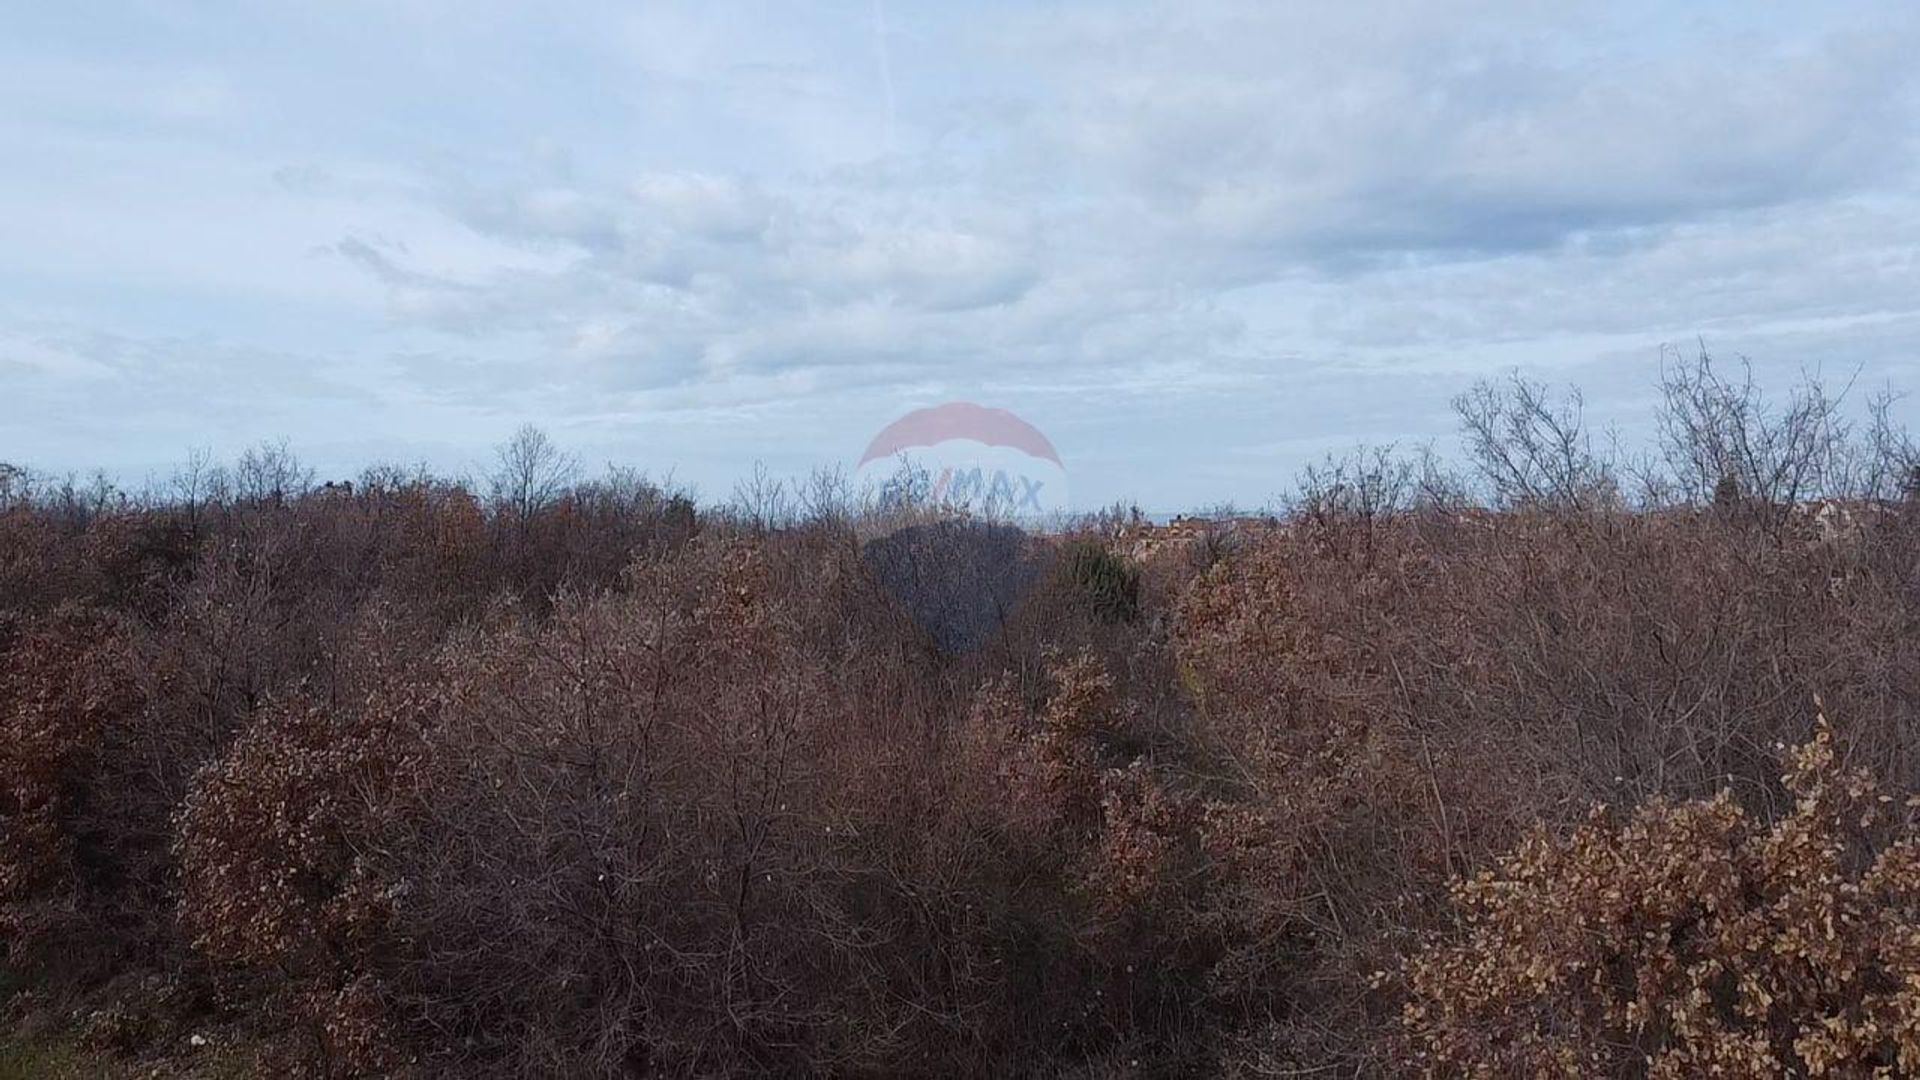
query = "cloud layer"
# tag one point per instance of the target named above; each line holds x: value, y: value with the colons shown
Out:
x: 1194, y: 243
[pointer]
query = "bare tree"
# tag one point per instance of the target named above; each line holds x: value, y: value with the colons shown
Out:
x: 761, y: 500
x: 1532, y: 451
x: 193, y: 484
x: 1892, y: 467
x: 15, y: 485
x: 532, y: 472
x: 1723, y: 441
x: 1345, y: 500
x: 271, y: 473
x: 80, y: 504
x: 828, y: 497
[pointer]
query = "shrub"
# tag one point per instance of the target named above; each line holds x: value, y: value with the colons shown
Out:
x: 1106, y: 584
x: 137, y: 558
x: 1689, y: 940
x: 1095, y: 867
x: 64, y: 690
x: 279, y: 840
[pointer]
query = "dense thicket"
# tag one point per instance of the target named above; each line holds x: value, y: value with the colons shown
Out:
x: 1475, y: 773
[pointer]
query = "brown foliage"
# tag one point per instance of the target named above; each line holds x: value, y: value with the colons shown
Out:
x: 278, y: 845
x: 1689, y: 940
x: 573, y: 780
x: 64, y: 690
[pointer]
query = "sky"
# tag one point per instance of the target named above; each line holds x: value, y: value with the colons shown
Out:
x: 1197, y: 244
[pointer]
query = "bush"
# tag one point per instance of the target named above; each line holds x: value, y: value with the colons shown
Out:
x: 64, y: 695
x: 1105, y: 583
x: 280, y: 840
x: 1689, y: 940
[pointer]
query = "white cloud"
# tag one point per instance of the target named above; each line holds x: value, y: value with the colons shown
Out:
x: 1253, y: 136
x: 1150, y: 223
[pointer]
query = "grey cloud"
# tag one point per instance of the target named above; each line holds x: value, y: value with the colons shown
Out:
x: 677, y: 276
x: 1812, y: 261
x: 379, y: 264
x: 1268, y: 225
x: 1247, y: 133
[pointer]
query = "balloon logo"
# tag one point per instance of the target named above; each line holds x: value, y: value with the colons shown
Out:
x: 982, y: 462
x: 970, y: 482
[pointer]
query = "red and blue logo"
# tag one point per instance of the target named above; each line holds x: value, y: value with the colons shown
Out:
x: 970, y: 459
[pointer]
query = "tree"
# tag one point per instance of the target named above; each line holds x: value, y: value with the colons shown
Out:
x: 1534, y: 452
x: 1722, y: 440
x: 532, y: 473
x: 271, y: 473
x: 13, y: 483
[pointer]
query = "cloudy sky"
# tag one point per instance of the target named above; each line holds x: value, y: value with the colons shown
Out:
x: 1196, y: 243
